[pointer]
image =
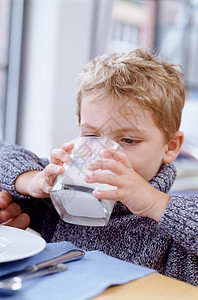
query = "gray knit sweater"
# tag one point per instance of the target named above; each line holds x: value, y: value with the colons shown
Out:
x: 170, y: 246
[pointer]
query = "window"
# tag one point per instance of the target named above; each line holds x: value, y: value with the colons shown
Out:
x: 11, y: 24
x: 5, y: 8
x: 177, y: 38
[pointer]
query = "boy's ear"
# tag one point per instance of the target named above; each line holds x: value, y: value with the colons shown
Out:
x: 173, y: 147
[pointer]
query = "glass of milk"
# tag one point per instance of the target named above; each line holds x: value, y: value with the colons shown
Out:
x: 72, y: 195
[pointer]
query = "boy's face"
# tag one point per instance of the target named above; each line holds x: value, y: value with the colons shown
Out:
x: 131, y: 126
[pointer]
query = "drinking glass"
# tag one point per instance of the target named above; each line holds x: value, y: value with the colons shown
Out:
x: 72, y: 195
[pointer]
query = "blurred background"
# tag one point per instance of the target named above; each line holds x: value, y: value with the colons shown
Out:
x: 45, y: 43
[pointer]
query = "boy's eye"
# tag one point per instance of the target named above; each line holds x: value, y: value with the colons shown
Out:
x: 90, y: 135
x: 128, y: 141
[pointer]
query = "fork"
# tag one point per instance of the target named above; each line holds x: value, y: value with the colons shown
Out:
x: 14, y: 284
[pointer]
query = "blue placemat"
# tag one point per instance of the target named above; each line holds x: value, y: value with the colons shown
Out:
x: 84, y: 279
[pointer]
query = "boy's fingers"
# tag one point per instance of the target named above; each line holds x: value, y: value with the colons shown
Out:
x: 59, y: 156
x: 107, y: 164
x: 116, y: 155
x: 22, y: 221
x: 110, y: 179
x: 50, y: 174
x: 109, y: 195
x: 67, y: 147
x: 5, y: 199
x: 117, y: 164
x: 53, y: 169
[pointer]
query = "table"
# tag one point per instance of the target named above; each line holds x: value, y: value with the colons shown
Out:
x: 151, y: 287
x: 93, y: 275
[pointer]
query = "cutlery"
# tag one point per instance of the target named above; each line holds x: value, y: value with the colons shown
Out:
x: 66, y: 257
x: 14, y: 284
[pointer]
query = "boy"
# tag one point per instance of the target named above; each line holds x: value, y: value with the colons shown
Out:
x: 135, y: 99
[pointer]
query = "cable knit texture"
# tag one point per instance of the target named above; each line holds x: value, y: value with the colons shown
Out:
x: 15, y: 160
x: 170, y: 246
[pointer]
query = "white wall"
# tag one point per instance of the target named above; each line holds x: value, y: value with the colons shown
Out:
x: 56, y: 46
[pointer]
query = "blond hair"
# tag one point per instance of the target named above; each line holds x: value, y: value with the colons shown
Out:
x: 140, y: 76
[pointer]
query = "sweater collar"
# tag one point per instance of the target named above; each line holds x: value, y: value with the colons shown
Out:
x: 164, y: 178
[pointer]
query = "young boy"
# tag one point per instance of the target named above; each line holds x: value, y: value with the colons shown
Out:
x: 135, y: 99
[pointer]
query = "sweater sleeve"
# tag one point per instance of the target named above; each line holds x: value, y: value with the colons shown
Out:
x: 15, y: 160
x: 180, y: 220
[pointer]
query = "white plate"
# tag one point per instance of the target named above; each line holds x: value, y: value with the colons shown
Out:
x: 17, y: 244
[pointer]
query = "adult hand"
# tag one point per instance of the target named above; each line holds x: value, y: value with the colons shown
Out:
x: 10, y: 212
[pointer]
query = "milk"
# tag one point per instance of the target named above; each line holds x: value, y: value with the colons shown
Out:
x: 73, y: 199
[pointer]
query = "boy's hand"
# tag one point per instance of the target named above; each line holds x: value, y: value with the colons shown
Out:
x: 132, y: 190
x: 61, y: 155
x: 38, y: 184
x: 10, y: 212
